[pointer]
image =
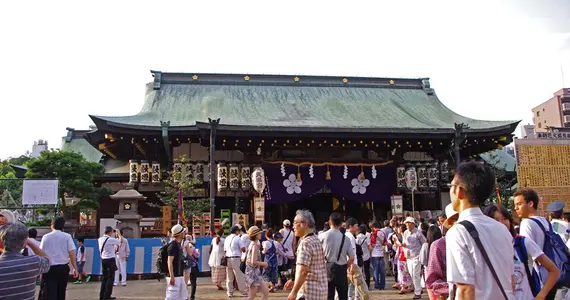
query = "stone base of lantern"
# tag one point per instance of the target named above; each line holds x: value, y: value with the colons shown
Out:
x: 130, y: 225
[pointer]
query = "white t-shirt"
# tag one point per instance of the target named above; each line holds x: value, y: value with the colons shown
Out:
x: 364, y: 242
x: 531, y: 230
x: 378, y: 249
x: 522, y: 286
x: 57, y: 246
x: 561, y: 227
x: 235, y: 243
x: 353, y: 245
x: 81, y: 255
x: 30, y: 251
x: 268, y: 244
x: 109, y: 249
x: 288, y: 237
x: 465, y: 263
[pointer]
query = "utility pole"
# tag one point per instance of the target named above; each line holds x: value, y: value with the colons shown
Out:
x: 213, y: 127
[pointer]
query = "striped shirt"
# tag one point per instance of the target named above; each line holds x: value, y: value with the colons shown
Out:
x: 18, y: 275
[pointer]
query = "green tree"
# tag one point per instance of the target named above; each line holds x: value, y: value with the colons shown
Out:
x: 10, y: 186
x: 505, y: 182
x: 181, y: 179
x: 75, y: 174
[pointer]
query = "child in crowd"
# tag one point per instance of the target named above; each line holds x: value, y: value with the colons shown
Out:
x: 81, y: 258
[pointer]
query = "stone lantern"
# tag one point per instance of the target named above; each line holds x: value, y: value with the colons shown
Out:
x: 128, y: 217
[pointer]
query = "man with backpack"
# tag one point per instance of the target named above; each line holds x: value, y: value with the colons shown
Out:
x: 355, y: 276
x: 539, y: 230
x: 171, y: 263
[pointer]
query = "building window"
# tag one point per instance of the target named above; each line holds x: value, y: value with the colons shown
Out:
x: 538, y: 113
x: 539, y: 125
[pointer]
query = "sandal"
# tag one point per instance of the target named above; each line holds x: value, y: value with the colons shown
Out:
x: 396, y: 286
x: 402, y: 291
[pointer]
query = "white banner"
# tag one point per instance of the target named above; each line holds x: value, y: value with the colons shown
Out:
x: 259, y: 206
x: 39, y: 192
x: 397, y: 205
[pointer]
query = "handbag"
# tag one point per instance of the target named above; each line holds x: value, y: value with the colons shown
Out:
x: 224, y: 261
x: 402, y: 255
x: 336, y: 268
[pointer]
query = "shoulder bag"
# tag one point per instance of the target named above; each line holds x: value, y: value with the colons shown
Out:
x: 335, y: 268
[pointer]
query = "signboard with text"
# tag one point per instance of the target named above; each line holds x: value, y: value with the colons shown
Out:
x: 553, y: 135
x: 39, y: 192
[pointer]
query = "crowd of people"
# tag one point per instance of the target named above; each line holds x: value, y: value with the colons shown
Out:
x: 467, y: 253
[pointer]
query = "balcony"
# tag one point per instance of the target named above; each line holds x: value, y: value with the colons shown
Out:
x: 566, y: 106
x: 566, y: 119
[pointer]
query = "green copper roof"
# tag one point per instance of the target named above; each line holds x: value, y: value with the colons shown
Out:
x: 324, y: 102
x: 500, y: 159
x: 81, y: 146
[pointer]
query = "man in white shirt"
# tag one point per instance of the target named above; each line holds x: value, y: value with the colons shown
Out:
x: 233, y: 248
x: 123, y: 252
x: 526, y: 206
x: 363, y: 240
x: 354, y: 272
x: 60, y: 248
x: 377, y: 242
x: 288, y: 242
x: 412, y: 242
x: 466, y: 268
x: 107, y: 244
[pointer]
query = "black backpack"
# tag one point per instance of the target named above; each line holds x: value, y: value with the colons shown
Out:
x: 359, y: 254
x: 162, y: 259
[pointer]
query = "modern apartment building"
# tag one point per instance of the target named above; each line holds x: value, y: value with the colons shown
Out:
x: 554, y: 112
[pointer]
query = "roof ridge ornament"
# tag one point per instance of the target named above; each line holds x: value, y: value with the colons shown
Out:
x: 157, y: 79
x: 426, y: 86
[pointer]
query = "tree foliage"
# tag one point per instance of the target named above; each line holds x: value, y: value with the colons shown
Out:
x: 504, y: 182
x: 10, y: 186
x: 75, y: 174
x: 177, y: 180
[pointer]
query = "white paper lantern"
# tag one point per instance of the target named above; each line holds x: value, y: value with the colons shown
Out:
x: 245, y: 177
x: 222, y: 176
x: 155, y: 172
x: 200, y: 172
x: 422, y: 176
x: 411, y: 179
x: 133, y: 171
x: 444, y: 171
x: 234, y: 177
x: 401, y: 177
x: 145, y: 171
x: 258, y: 179
x: 432, y: 175
x: 177, y: 172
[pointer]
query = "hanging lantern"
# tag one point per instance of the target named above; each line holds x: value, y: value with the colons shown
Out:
x: 155, y: 172
x: 444, y: 171
x: 188, y: 170
x: 222, y: 176
x: 401, y: 177
x: 177, y: 171
x: 411, y: 179
x: 200, y: 172
x: 432, y: 175
x: 245, y: 177
x: 145, y: 171
x: 133, y: 171
x: 234, y: 177
x: 258, y: 179
x: 422, y: 176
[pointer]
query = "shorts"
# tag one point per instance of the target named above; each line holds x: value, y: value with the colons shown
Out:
x: 80, y: 266
x: 176, y: 291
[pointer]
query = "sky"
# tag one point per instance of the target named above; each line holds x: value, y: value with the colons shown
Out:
x: 61, y: 61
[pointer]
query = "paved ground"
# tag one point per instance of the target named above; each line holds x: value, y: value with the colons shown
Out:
x: 152, y: 289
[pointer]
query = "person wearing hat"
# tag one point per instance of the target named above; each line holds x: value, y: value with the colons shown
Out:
x: 233, y: 248
x: 6, y: 217
x: 412, y: 242
x: 288, y: 242
x: 436, y: 273
x: 253, y: 275
x: 558, y: 224
x: 176, y: 287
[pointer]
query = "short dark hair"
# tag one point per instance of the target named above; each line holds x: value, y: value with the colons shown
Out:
x: 32, y: 233
x: 477, y: 180
x: 82, y: 240
x: 336, y: 218
x: 121, y: 231
x: 58, y: 223
x: 528, y: 195
x: 566, y: 215
x: 234, y: 229
x: 556, y: 214
x: 374, y: 224
x: 351, y: 222
x: 326, y: 226
x: 108, y: 229
x: 342, y: 230
x: 269, y: 233
x: 386, y: 223
x: 362, y: 229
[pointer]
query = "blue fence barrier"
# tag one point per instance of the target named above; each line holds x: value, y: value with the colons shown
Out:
x: 142, y: 259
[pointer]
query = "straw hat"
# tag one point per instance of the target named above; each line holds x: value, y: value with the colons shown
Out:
x: 253, y: 230
x: 177, y: 229
x: 10, y: 218
x: 449, y: 213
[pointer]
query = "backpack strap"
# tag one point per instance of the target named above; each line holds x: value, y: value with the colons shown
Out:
x: 103, y: 247
x: 340, y: 249
x: 520, y: 247
x: 475, y: 235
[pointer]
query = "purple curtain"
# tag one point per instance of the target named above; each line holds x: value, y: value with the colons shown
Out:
x: 372, y: 189
x: 282, y: 185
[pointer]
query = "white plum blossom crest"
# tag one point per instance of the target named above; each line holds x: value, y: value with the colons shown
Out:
x: 359, y: 186
x: 292, y: 184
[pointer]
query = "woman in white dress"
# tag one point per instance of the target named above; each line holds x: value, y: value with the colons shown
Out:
x: 216, y: 254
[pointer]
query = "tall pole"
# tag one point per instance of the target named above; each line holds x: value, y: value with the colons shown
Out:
x: 213, y: 126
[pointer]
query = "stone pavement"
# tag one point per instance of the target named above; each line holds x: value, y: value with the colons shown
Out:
x: 152, y: 289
